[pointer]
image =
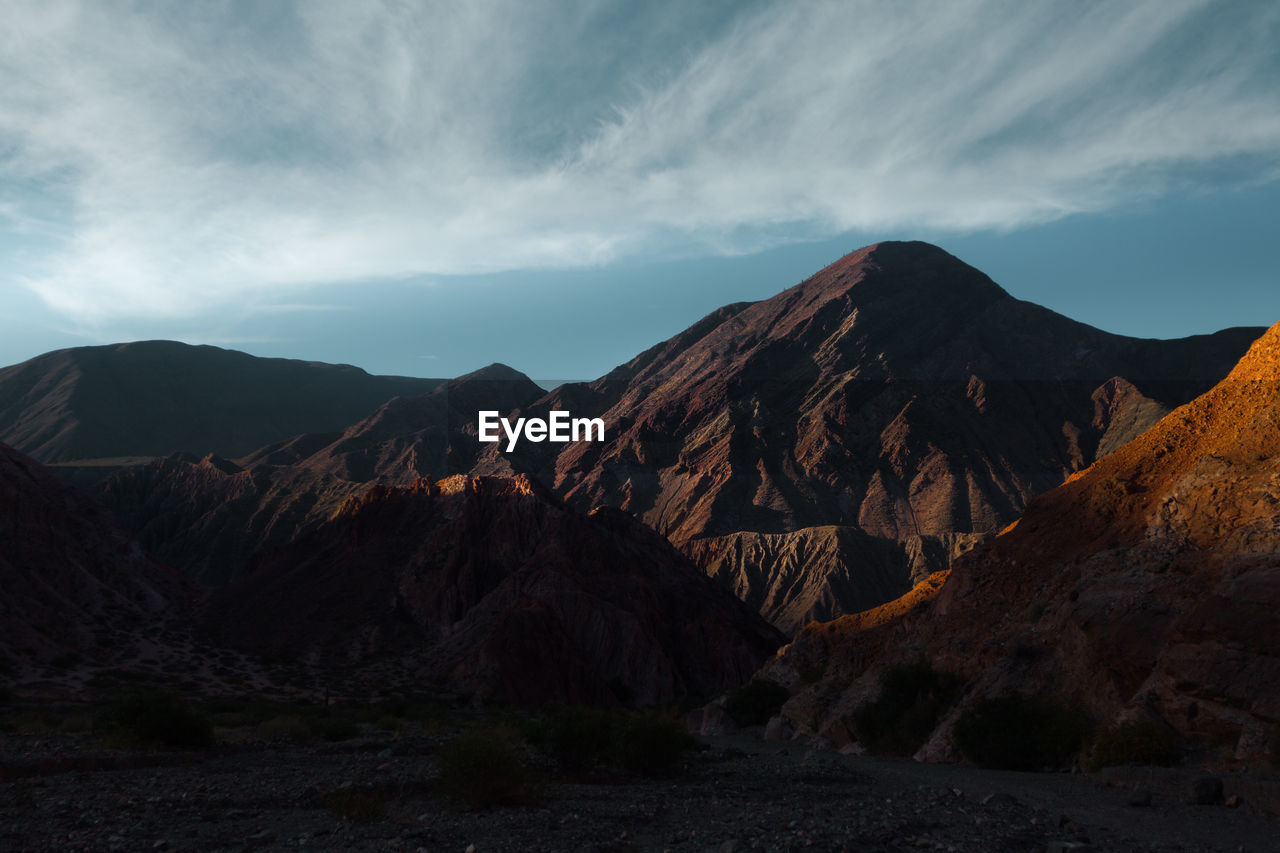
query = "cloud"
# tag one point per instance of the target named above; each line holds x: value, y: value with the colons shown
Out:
x: 183, y: 160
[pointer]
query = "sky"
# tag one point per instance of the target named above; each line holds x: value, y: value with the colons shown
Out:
x: 423, y: 188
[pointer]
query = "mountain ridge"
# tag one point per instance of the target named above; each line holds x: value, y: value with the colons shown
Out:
x: 153, y: 398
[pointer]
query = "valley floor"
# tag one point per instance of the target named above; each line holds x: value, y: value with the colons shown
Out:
x: 375, y: 792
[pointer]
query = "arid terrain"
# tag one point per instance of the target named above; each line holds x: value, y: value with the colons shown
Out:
x: 891, y: 513
x: 380, y: 790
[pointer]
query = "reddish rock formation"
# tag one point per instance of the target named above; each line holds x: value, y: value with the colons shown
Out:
x: 493, y: 586
x: 1147, y: 585
x: 76, y: 588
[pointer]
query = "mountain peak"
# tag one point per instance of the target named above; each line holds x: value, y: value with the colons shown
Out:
x: 912, y: 269
x: 495, y: 372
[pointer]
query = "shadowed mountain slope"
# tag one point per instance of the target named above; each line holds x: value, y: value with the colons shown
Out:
x: 493, y: 586
x: 1148, y: 585
x: 206, y: 516
x: 898, y: 393
x: 75, y: 586
x: 153, y: 398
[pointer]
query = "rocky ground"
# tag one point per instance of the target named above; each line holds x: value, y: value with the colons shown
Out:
x: 378, y: 791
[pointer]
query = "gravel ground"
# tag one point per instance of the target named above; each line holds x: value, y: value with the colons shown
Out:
x: 63, y: 792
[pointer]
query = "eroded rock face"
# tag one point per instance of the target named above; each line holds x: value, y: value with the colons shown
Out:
x: 1147, y: 585
x: 493, y: 586
x: 74, y: 583
x: 821, y: 572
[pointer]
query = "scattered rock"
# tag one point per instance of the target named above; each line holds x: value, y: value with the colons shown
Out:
x: 778, y: 728
x: 1140, y: 797
x: 1206, y: 791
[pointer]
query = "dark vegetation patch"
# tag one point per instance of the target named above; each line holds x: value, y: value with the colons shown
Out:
x: 913, y: 698
x: 1144, y: 742
x: 1018, y: 733
x: 154, y: 719
x: 585, y: 740
x: 755, y: 703
x: 484, y: 768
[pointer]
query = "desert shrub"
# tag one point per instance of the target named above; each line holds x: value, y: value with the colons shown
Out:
x: 755, y: 703
x: 333, y: 727
x: 577, y: 739
x: 1017, y: 733
x: 356, y: 805
x: 388, y: 723
x: 410, y: 708
x: 288, y: 727
x: 76, y: 722
x: 1134, y: 742
x: 651, y: 744
x: 812, y: 674
x: 581, y: 739
x: 913, y: 698
x: 154, y: 718
x: 483, y: 769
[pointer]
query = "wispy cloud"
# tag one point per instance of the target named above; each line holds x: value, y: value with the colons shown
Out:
x: 194, y: 157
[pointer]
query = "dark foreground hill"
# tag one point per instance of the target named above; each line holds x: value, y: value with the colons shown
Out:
x: 1146, y: 587
x: 494, y: 587
x: 153, y: 398
x: 74, y: 585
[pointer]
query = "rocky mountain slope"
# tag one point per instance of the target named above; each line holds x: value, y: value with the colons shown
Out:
x: 206, y: 516
x: 818, y: 452
x: 898, y: 394
x: 494, y: 587
x: 75, y: 585
x: 1146, y: 586
x: 153, y: 398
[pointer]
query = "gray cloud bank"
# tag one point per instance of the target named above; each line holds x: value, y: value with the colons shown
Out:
x: 167, y: 159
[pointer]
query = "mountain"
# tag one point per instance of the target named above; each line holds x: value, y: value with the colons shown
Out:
x: 153, y: 398
x: 818, y: 452
x: 898, y: 394
x: 206, y: 516
x: 494, y: 587
x: 1146, y: 586
x: 77, y: 588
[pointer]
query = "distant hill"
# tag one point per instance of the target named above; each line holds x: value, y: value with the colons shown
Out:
x: 153, y: 398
